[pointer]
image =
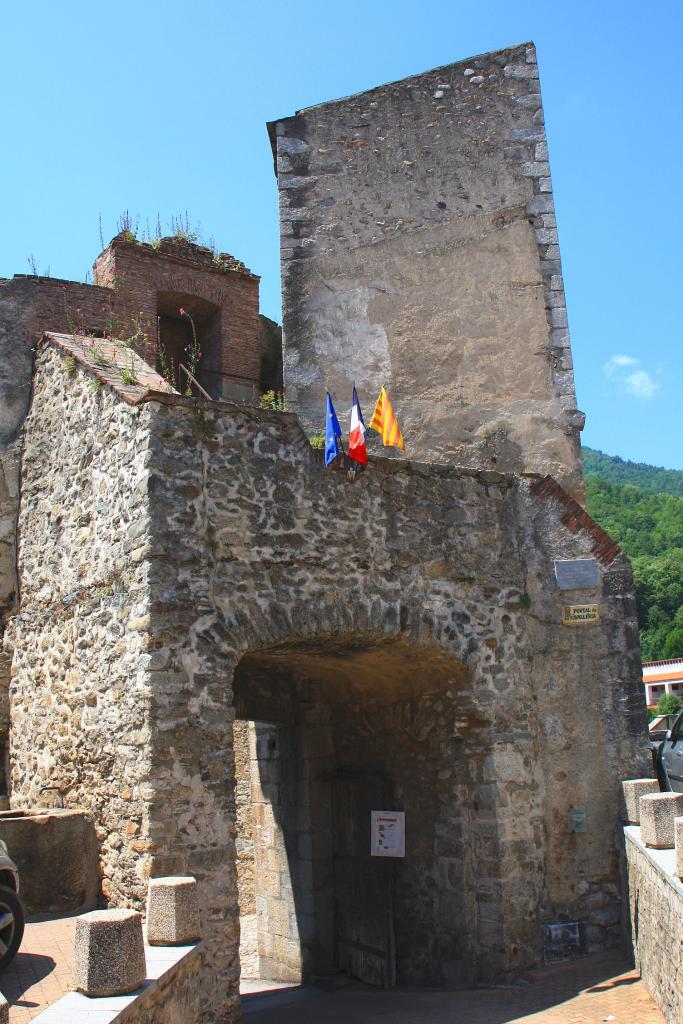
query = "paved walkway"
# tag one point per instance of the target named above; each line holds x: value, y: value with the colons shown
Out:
x: 41, y: 971
x: 589, y: 991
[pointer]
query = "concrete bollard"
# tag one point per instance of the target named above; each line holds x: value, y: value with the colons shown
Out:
x: 4, y: 1010
x: 678, y: 840
x: 633, y: 789
x: 109, y: 953
x: 657, y: 813
x: 172, y: 911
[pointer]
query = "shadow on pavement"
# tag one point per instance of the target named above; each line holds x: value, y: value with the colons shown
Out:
x: 594, y: 979
x: 25, y: 970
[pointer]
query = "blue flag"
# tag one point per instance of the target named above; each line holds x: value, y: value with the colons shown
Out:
x: 332, y: 432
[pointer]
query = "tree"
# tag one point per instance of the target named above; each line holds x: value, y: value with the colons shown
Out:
x: 669, y: 704
x: 649, y: 527
x: 673, y: 645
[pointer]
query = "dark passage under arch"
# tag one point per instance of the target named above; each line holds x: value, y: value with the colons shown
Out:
x: 328, y: 731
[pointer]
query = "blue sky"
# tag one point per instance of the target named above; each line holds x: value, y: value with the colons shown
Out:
x: 160, y: 107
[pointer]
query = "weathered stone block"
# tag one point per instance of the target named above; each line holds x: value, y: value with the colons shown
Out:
x: 633, y: 789
x: 678, y: 842
x: 657, y: 814
x: 109, y: 953
x: 172, y: 911
x: 4, y: 1010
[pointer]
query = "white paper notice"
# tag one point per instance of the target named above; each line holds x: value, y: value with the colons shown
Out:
x: 388, y: 834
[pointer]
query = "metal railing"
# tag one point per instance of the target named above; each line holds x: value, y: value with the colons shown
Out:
x: 192, y: 380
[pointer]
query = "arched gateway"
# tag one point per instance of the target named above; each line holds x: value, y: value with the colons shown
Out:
x: 185, y: 563
x: 338, y: 727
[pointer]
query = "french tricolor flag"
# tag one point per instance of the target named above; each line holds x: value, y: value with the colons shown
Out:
x: 357, y: 449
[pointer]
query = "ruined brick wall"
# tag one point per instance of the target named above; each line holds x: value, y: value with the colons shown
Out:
x: 138, y: 271
x: 419, y: 250
x: 232, y: 539
x: 271, y: 354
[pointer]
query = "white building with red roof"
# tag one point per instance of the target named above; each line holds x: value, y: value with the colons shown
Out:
x: 662, y: 677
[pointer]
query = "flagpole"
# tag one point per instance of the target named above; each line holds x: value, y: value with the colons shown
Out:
x: 339, y: 437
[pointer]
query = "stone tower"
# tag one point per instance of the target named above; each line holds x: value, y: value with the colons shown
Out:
x: 419, y: 250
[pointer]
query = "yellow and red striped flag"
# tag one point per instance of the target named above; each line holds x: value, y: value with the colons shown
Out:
x: 385, y: 423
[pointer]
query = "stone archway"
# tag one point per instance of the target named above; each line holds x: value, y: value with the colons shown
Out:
x: 464, y: 905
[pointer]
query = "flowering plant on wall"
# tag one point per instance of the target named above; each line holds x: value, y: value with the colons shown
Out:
x: 193, y: 350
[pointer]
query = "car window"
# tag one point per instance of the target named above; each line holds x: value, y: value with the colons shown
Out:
x: 677, y: 730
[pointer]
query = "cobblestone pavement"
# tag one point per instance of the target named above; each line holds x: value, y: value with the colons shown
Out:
x: 590, y: 991
x: 41, y: 972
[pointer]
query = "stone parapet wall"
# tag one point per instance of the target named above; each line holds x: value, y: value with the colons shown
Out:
x: 170, y: 994
x: 656, y: 902
x: 419, y: 250
x: 162, y: 545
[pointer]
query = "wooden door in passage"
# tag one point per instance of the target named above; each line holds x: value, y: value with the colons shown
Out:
x: 364, y: 885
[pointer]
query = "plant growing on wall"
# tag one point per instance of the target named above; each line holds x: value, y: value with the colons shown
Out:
x: 273, y: 401
x: 128, y: 375
x: 136, y: 337
x: 99, y: 358
x: 127, y: 226
x: 193, y: 350
x: 166, y: 367
x: 183, y: 229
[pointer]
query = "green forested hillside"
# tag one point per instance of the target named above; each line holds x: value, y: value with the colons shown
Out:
x: 642, y: 522
x: 649, y: 527
x: 622, y: 471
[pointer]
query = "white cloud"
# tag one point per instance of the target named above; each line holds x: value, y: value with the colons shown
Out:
x: 622, y: 369
x: 641, y: 384
x: 616, y: 363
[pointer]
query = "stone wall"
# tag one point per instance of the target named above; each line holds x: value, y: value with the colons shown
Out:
x: 419, y: 249
x: 129, y: 277
x: 173, y: 998
x: 656, y: 899
x: 56, y: 853
x: 79, y: 695
x: 244, y: 841
x: 164, y: 544
x: 27, y: 306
